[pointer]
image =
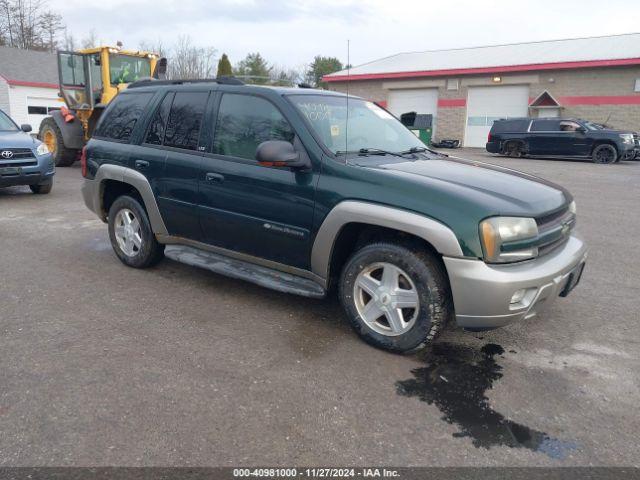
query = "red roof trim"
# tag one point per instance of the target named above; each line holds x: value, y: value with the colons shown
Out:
x: 472, y: 71
x: 452, y: 102
x: 21, y: 83
x: 602, y: 100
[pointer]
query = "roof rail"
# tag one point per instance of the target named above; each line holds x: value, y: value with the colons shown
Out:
x: 146, y: 82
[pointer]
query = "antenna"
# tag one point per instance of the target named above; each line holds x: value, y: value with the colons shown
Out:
x: 346, y: 127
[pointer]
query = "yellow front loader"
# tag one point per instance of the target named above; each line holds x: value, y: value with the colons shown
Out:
x: 89, y: 80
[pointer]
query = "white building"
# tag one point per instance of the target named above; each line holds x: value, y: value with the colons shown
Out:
x: 28, y: 85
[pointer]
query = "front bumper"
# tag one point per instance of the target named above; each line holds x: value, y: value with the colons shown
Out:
x: 12, y: 173
x: 482, y: 292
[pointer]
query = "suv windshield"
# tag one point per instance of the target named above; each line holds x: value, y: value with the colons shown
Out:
x: 592, y: 126
x: 127, y: 68
x: 370, y: 127
x: 6, y: 123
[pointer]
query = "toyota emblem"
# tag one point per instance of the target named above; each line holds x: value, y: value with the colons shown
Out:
x: 6, y: 154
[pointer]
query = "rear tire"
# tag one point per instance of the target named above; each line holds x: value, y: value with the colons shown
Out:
x: 51, y: 135
x: 513, y: 149
x: 604, y: 154
x: 415, y: 276
x: 42, y: 189
x: 131, y: 235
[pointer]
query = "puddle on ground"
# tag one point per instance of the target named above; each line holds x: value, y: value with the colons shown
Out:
x: 455, y: 380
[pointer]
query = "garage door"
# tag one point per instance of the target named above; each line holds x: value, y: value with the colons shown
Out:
x: 39, y: 107
x: 424, y: 100
x: 486, y: 104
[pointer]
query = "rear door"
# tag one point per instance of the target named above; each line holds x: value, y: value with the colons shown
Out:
x: 120, y: 126
x: 265, y: 212
x: 546, y: 138
x: 177, y: 185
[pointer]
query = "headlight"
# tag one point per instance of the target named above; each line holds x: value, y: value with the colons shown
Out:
x: 627, y: 137
x: 42, y: 149
x: 501, y: 238
x: 572, y: 207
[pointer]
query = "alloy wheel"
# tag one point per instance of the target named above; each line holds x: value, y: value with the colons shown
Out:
x: 128, y: 232
x: 386, y: 299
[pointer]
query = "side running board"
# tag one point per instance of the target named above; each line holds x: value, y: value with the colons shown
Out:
x: 230, y: 267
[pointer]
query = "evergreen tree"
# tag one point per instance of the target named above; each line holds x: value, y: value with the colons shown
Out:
x: 224, y: 66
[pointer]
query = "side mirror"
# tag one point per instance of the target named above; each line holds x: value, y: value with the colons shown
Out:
x: 581, y: 130
x: 160, y: 72
x: 25, y: 127
x: 278, y: 153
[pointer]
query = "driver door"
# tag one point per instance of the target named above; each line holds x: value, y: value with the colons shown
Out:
x: 260, y: 211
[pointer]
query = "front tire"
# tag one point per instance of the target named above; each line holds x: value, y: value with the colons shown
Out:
x: 42, y: 188
x: 396, y: 296
x: 51, y: 135
x: 604, y: 154
x: 131, y: 235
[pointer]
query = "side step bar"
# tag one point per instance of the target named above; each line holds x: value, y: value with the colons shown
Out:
x: 230, y: 267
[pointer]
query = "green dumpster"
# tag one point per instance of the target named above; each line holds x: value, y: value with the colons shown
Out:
x: 419, y: 123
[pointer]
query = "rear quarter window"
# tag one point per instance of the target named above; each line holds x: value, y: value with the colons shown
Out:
x: 510, y: 126
x: 121, y: 117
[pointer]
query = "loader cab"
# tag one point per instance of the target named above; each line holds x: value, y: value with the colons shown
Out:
x: 92, y: 78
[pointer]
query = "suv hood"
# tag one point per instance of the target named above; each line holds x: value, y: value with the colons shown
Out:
x: 16, y: 140
x: 500, y: 190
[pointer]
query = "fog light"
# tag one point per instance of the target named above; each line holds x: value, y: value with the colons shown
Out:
x: 518, y: 296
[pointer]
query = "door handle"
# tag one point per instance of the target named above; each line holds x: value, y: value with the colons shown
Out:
x: 214, y: 177
x: 141, y: 164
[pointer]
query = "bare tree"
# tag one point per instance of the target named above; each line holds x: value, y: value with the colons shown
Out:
x: 26, y: 24
x: 190, y: 61
x: 69, y: 41
x: 158, y: 48
x: 90, y: 41
x: 285, y: 76
x: 51, y: 25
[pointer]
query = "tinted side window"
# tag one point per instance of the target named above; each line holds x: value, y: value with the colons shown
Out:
x: 155, y: 134
x: 244, y: 122
x: 545, y: 126
x: 121, y: 118
x: 185, y: 119
x: 510, y: 126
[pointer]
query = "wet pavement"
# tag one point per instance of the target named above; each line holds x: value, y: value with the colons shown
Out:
x: 105, y: 365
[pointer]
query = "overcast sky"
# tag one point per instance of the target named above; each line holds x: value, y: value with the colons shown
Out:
x: 292, y: 32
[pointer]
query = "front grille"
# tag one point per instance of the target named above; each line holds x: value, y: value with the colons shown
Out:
x: 549, y: 220
x: 18, y: 153
x: 31, y: 163
x: 21, y: 157
x: 554, y: 230
x: 636, y: 139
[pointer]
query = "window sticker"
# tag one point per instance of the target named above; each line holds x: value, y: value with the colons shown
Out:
x: 335, y: 131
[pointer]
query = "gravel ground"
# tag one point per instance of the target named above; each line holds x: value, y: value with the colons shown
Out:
x: 105, y: 365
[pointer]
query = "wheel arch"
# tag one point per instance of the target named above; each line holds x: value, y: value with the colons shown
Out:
x: 343, y: 226
x: 72, y: 133
x: 604, y: 141
x: 523, y: 144
x: 114, y: 181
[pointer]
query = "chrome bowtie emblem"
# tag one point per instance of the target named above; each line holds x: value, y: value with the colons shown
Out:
x: 6, y: 154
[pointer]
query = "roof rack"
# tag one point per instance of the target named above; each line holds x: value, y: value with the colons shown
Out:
x: 225, y: 80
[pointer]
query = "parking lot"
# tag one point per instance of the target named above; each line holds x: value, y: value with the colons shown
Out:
x: 106, y: 365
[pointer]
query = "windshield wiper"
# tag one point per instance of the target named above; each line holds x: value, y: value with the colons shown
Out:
x: 369, y: 151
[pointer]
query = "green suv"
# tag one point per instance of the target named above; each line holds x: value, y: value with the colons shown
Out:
x: 309, y: 192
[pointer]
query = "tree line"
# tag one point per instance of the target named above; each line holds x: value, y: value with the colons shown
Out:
x: 27, y: 24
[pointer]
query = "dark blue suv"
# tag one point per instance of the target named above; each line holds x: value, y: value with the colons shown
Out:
x: 23, y: 159
x: 518, y: 137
